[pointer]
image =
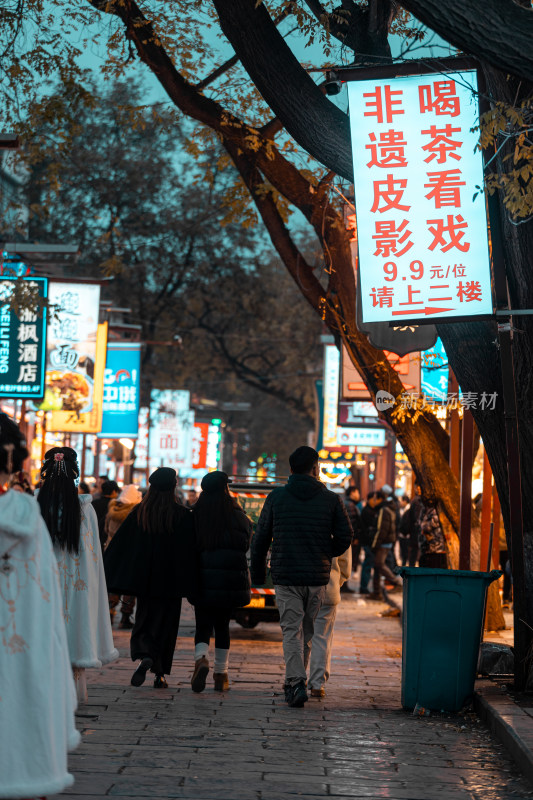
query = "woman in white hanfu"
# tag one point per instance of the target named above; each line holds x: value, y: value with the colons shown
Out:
x: 73, y: 527
x: 37, y: 693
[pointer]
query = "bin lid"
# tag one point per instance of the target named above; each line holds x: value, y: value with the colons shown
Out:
x: 423, y: 572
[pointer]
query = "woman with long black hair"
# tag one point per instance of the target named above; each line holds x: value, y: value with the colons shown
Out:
x: 151, y: 556
x: 222, y: 533
x: 73, y: 528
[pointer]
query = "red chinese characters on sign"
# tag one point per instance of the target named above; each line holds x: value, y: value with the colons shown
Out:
x: 445, y: 188
x: 449, y: 235
x: 441, y: 145
x: 470, y: 291
x: 392, y: 240
x: 382, y: 297
x: 440, y: 97
x: 383, y: 103
x: 388, y: 194
x: 389, y: 151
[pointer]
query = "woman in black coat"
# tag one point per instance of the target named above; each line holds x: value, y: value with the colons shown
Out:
x: 223, y: 533
x: 152, y: 557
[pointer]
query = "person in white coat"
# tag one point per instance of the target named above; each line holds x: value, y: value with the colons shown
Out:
x: 322, y: 640
x: 73, y: 528
x: 37, y: 693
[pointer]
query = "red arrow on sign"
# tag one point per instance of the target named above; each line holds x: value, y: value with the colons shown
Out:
x: 428, y: 310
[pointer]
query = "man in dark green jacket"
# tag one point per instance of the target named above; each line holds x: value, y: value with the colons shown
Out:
x: 307, y: 526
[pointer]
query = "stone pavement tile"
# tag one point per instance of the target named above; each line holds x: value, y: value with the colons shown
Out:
x: 400, y: 792
x: 247, y: 743
x: 170, y: 789
x: 85, y: 763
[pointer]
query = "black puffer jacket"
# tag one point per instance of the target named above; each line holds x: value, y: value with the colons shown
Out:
x: 307, y: 526
x: 224, y: 574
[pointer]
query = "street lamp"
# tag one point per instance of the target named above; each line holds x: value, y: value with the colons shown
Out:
x: 127, y: 444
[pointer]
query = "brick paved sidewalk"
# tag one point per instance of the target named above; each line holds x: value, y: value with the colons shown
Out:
x: 248, y: 745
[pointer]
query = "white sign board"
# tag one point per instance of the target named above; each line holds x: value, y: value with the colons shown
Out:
x: 423, y: 244
x: 357, y: 437
x: 171, y: 430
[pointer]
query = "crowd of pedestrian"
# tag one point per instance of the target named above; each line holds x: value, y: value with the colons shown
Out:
x: 68, y: 558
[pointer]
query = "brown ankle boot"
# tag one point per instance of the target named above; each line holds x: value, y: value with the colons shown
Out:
x: 201, y: 670
x: 221, y: 681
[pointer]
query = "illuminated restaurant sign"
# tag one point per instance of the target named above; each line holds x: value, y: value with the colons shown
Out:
x: 121, y: 390
x: 71, y: 347
x: 22, y: 343
x: 422, y: 228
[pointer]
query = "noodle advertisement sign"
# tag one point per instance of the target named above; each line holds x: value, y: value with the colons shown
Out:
x: 421, y: 219
x: 71, y: 347
x: 22, y: 343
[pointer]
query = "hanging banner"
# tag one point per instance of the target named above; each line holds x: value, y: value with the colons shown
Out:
x: 22, y: 343
x: 141, y: 445
x: 331, y: 395
x: 200, y: 436
x: 71, y: 347
x: 421, y: 220
x: 435, y: 373
x: 121, y: 391
x: 87, y: 421
x: 171, y: 430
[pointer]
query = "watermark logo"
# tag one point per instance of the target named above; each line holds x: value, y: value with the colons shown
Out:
x: 484, y: 401
x: 384, y: 400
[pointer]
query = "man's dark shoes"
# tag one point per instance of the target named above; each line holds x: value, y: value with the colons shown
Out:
x: 125, y: 623
x: 160, y: 682
x: 287, y: 689
x: 299, y: 695
x: 139, y: 676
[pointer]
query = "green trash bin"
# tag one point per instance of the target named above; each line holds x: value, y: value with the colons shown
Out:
x: 443, y: 612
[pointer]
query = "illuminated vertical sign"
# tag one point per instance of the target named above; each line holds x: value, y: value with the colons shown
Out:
x: 74, y: 421
x: 121, y: 390
x: 214, y: 437
x: 71, y: 347
x: 421, y: 220
x: 200, y: 435
x: 141, y: 445
x: 22, y: 343
x: 435, y: 372
x: 171, y: 430
x: 331, y: 394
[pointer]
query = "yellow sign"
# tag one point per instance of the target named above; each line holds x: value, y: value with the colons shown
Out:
x: 256, y: 602
x: 90, y: 421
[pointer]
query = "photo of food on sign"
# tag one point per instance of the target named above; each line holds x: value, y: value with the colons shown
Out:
x: 68, y: 391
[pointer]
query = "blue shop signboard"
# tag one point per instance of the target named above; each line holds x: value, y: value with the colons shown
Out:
x: 22, y: 342
x: 121, y: 391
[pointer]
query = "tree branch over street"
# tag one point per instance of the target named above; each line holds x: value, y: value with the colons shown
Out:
x: 498, y: 32
x: 262, y: 167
